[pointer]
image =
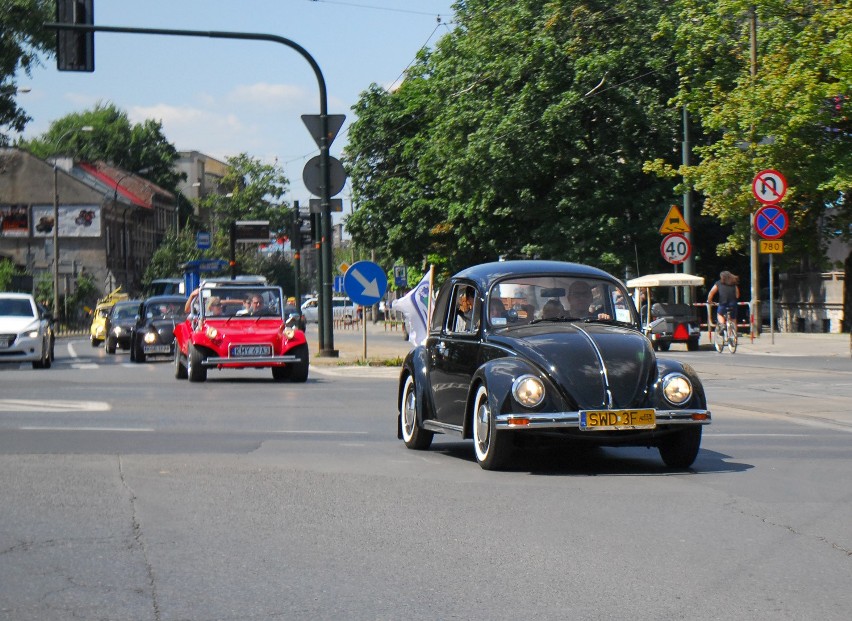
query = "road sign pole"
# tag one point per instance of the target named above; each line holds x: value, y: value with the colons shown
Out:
x: 327, y: 346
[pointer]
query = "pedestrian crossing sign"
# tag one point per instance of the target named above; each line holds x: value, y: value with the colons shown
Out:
x: 674, y: 222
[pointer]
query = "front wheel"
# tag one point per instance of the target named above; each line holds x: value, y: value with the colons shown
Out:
x: 680, y: 449
x: 195, y: 371
x: 299, y: 370
x: 110, y: 345
x: 719, y: 338
x: 491, y: 446
x: 414, y: 436
x: 180, y: 369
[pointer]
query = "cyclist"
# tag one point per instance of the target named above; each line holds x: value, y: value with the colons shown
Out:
x: 729, y: 294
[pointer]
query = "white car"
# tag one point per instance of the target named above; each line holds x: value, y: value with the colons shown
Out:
x: 26, y: 332
x: 341, y: 308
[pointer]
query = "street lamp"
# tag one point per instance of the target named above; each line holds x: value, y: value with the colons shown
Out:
x: 85, y: 128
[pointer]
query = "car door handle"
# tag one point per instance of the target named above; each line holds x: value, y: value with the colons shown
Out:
x: 441, y: 348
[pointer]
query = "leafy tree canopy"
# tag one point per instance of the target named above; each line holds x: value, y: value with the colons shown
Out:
x: 133, y: 147
x: 22, y: 40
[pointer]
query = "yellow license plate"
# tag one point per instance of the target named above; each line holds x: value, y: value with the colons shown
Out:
x: 601, y: 420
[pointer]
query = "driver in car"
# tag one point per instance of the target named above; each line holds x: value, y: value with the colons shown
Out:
x: 580, y: 302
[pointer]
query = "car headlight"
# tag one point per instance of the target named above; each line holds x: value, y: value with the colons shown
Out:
x: 33, y: 334
x: 528, y: 390
x: 150, y: 337
x: 211, y: 332
x: 677, y: 389
x: 288, y: 333
x: 117, y: 330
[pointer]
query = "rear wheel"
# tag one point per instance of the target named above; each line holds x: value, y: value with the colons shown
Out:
x: 663, y: 345
x: 680, y: 449
x: 414, y: 436
x: 732, y: 339
x: 194, y: 369
x: 491, y: 446
x: 692, y: 345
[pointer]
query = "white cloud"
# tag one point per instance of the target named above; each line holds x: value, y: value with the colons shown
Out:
x: 269, y: 95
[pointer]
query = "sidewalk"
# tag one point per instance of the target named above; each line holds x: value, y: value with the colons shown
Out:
x: 794, y: 344
x: 385, y: 346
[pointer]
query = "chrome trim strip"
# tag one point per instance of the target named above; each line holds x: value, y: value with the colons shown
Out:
x: 557, y: 420
x: 604, y: 374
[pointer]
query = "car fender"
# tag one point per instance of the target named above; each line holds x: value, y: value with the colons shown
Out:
x: 415, y: 364
x: 665, y: 366
x: 498, y: 375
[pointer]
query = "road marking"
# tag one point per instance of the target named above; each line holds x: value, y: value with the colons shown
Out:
x: 85, y: 365
x: 119, y: 429
x: 318, y: 432
x: 25, y: 405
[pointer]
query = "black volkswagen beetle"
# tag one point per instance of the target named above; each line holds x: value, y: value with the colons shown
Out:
x: 154, y: 332
x: 545, y: 347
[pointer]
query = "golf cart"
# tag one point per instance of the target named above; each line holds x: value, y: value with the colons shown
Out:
x: 672, y: 321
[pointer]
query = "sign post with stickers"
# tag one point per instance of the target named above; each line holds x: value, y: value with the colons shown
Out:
x: 771, y: 223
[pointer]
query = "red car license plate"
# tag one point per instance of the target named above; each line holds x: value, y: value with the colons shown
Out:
x: 250, y: 351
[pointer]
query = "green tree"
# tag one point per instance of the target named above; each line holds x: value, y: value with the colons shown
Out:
x: 22, y: 40
x: 523, y: 134
x: 780, y: 118
x: 114, y: 139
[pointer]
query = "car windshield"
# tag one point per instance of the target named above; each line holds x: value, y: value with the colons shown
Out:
x: 125, y: 311
x: 241, y: 302
x: 16, y: 308
x: 557, y: 298
x: 165, y: 310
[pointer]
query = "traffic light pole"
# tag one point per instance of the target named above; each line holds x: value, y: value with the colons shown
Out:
x: 326, y: 334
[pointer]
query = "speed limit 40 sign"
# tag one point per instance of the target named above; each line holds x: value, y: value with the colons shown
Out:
x: 675, y: 248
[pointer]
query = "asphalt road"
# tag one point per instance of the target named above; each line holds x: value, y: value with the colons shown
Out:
x: 130, y: 495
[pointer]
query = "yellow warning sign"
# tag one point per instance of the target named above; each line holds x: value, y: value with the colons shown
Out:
x: 674, y: 222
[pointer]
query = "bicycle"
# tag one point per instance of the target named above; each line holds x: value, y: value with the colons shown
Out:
x: 726, y: 335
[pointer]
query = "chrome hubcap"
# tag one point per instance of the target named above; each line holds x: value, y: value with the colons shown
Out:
x: 482, y: 424
x: 409, y: 412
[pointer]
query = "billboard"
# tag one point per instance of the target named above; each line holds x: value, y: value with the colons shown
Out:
x: 14, y: 221
x: 74, y: 221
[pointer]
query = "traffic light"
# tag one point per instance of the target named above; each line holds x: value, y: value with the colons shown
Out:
x: 75, y: 50
x: 296, y: 234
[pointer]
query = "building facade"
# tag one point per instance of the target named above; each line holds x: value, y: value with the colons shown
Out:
x: 110, y: 221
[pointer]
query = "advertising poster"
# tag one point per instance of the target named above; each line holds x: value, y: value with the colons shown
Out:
x: 14, y: 221
x: 74, y: 220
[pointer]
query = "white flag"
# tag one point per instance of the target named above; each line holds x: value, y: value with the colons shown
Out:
x: 415, y: 306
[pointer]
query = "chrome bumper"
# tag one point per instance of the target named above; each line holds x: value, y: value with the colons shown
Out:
x: 571, y: 420
x: 267, y: 360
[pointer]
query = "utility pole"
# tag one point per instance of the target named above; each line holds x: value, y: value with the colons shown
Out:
x: 754, y: 319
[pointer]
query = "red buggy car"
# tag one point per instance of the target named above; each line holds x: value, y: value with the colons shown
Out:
x: 233, y: 326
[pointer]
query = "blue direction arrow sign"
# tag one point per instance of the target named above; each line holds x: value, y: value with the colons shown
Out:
x: 771, y: 222
x: 365, y: 283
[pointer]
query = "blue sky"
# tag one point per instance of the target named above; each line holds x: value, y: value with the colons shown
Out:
x: 223, y: 97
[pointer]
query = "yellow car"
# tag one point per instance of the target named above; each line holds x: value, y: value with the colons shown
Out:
x: 97, y: 331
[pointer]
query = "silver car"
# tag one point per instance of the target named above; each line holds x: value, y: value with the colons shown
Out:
x: 26, y: 331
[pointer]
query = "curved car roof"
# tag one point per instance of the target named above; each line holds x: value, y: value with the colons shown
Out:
x: 486, y: 273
